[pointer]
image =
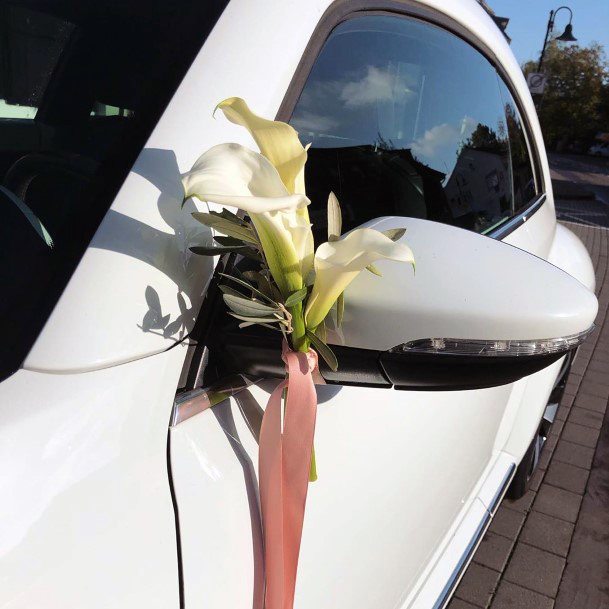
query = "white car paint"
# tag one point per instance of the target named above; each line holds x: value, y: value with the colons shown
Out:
x: 444, y: 296
x: 571, y: 255
x: 86, y: 512
x: 376, y: 457
x: 87, y: 515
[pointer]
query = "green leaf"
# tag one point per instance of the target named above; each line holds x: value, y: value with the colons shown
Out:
x: 229, y: 215
x: 249, y: 286
x: 374, y: 270
x: 340, y: 309
x: 296, y: 297
x: 246, y: 324
x: 320, y: 331
x: 228, y: 227
x: 323, y: 350
x: 247, y: 307
x: 211, y: 250
x: 229, y: 241
x: 257, y: 320
x: 262, y: 283
x: 395, y: 234
x: 335, y: 221
x: 225, y: 289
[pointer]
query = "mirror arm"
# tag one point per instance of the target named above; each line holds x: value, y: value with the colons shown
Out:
x: 418, y: 366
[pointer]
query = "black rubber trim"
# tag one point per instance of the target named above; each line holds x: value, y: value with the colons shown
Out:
x: 176, y: 514
x: 444, y: 372
x: 256, y: 352
x: 519, y: 219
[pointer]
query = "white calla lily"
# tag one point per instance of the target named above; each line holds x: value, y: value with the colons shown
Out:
x: 279, y: 143
x: 231, y: 174
x: 337, y: 264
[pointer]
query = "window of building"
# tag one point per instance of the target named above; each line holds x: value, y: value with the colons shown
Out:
x: 407, y: 119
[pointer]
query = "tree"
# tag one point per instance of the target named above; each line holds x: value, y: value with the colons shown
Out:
x: 575, y: 103
x: 485, y: 138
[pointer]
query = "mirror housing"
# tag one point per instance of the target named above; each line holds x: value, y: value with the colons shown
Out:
x: 477, y: 313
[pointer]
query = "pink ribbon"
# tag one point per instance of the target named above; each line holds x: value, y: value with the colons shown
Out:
x: 284, y: 461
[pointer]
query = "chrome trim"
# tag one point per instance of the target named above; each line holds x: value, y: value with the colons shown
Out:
x: 468, y: 553
x: 191, y: 403
x: 494, y: 504
x: 451, y: 584
x: 513, y: 223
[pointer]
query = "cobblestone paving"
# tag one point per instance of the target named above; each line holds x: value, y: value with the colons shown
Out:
x: 550, y: 549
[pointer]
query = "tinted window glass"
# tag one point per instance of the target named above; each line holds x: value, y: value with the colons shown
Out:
x: 522, y: 169
x: 30, y: 44
x: 405, y: 119
x: 95, y: 78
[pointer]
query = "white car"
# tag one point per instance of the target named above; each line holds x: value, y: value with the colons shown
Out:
x: 599, y: 149
x: 119, y: 488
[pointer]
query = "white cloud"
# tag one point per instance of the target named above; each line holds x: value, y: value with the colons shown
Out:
x: 435, y: 138
x: 377, y: 85
x: 443, y: 136
x: 309, y: 121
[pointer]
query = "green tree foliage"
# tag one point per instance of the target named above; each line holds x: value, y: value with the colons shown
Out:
x: 485, y: 138
x: 575, y: 103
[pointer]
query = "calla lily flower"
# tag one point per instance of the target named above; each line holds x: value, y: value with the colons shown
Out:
x: 231, y: 174
x: 279, y: 143
x: 337, y: 264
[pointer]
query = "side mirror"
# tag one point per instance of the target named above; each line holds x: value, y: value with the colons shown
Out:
x: 477, y: 313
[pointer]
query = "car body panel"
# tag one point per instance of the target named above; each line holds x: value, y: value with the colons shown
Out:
x: 571, y: 255
x: 376, y: 458
x: 85, y: 424
x: 142, y: 245
x: 87, y: 518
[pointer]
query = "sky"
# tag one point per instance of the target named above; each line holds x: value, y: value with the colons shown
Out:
x: 529, y: 19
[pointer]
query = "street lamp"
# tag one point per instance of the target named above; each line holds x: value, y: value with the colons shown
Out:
x: 566, y: 36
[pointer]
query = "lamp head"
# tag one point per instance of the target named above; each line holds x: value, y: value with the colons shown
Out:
x: 567, y: 35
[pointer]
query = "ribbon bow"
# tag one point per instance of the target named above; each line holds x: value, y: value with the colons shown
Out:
x: 284, y: 462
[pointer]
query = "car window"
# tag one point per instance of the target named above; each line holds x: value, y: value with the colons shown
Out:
x: 523, y: 179
x: 82, y: 85
x: 30, y: 45
x: 407, y: 119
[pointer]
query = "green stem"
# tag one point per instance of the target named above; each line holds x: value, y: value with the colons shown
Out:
x: 313, y: 470
x: 300, y: 342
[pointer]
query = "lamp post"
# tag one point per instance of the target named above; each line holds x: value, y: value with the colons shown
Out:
x: 566, y: 36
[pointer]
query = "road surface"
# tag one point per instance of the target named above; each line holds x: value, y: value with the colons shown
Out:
x: 591, y: 173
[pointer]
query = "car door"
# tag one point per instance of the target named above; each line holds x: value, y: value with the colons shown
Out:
x: 406, y: 118
x: 94, y: 309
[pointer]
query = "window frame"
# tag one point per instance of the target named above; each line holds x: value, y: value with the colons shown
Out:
x: 343, y: 10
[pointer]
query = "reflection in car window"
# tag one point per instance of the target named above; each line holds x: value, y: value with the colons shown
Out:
x: 89, y: 81
x: 522, y: 170
x: 407, y: 119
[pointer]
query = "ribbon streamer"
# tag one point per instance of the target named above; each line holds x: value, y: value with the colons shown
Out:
x: 284, y: 462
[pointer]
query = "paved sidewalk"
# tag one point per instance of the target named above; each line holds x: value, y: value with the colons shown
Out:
x: 550, y: 549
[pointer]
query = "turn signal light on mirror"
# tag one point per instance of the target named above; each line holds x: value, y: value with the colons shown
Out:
x: 494, y: 348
